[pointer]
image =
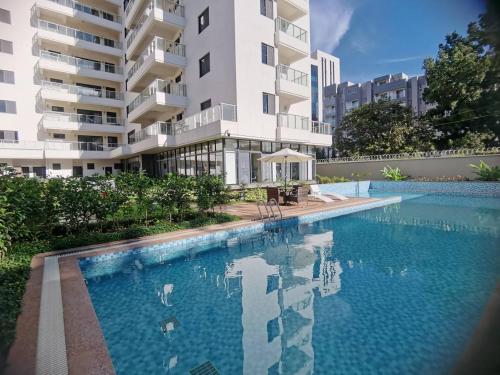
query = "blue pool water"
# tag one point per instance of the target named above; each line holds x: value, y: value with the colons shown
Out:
x: 392, y: 290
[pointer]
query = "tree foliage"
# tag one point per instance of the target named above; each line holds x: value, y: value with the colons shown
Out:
x: 382, y: 127
x: 463, y: 84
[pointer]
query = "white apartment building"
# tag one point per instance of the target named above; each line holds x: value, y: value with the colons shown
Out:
x: 193, y: 86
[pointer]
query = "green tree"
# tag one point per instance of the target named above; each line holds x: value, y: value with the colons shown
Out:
x: 382, y: 127
x: 463, y: 84
x: 174, y: 193
x: 210, y: 191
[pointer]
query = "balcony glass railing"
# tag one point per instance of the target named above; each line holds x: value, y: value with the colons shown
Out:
x: 89, y: 10
x: 167, y: 6
x: 79, y: 146
x: 158, y: 86
x: 81, y: 63
x: 152, y: 130
x: 321, y: 128
x: 77, y: 34
x: 220, y: 112
x: 81, y: 119
x: 286, y: 120
x: 158, y: 44
x: 288, y: 74
x: 291, y: 29
x: 81, y: 91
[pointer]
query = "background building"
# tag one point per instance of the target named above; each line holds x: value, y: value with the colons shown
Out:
x: 199, y: 86
x: 340, y: 99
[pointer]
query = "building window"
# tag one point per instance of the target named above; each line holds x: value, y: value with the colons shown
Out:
x: 267, y: 54
x: 204, y: 65
x: 117, y: 166
x: 203, y: 21
x: 56, y: 166
x: 8, y: 106
x: 59, y: 136
x: 9, y: 135
x: 268, y: 104
x: 112, y: 141
x: 25, y: 171
x: 90, y: 166
x: 131, y: 136
x: 179, y: 117
x: 56, y: 108
x: 109, y: 42
x: 6, y: 76
x: 206, y: 104
x: 6, y: 46
x: 4, y: 16
x: 77, y: 171
x: 266, y: 8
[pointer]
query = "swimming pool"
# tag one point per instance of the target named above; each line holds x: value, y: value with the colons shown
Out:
x: 397, y: 289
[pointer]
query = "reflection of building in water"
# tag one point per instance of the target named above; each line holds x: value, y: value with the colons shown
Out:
x: 277, y: 300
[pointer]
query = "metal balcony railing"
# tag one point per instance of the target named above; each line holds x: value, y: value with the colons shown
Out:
x: 81, y: 35
x: 81, y: 119
x: 157, y: 44
x: 289, y: 74
x: 158, y: 86
x: 89, y: 10
x: 291, y: 29
x: 286, y: 120
x: 81, y: 63
x: 319, y: 127
x: 82, y: 91
x: 168, y: 6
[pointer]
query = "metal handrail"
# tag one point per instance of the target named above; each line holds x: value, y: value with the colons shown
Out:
x: 89, y: 10
x: 82, y: 90
x: 292, y: 75
x: 81, y: 62
x: 81, y: 118
x: 287, y: 120
x: 290, y: 29
x: 158, y: 86
x: 272, y: 202
x: 415, y: 155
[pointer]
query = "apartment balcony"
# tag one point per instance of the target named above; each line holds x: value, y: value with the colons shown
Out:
x: 62, y: 9
x: 159, y: 100
x: 161, y: 58
x: 161, y: 17
x: 79, y: 39
x: 292, y: 41
x: 15, y: 149
x: 293, y: 128
x: 321, y: 133
x: 211, y: 123
x: 292, y: 85
x: 292, y: 9
x: 78, y: 94
x: 78, y: 122
x: 78, y: 150
x: 79, y: 67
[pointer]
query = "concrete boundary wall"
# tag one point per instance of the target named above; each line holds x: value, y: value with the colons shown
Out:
x: 431, y: 167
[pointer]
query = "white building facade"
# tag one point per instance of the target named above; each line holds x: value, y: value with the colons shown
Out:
x: 192, y: 87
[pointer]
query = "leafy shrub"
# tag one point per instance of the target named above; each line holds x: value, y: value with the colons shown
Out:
x: 393, y: 174
x: 485, y: 172
x: 254, y: 195
x: 331, y: 180
x: 210, y: 191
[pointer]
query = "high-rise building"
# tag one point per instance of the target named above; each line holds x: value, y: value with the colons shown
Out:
x: 193, y: 86
x: 340, y: 99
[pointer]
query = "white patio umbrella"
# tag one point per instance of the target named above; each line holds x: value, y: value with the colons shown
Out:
x: 286, y: 156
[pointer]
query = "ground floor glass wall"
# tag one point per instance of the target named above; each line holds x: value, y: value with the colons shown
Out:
x: 237, y: 160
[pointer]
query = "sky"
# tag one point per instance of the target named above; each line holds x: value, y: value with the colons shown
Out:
x: 377, y: 37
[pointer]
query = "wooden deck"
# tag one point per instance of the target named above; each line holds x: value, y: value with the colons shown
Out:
x: 249, y: 211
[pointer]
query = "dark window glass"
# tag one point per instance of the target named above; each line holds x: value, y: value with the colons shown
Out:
x: 267, y: 54
x: 266, y: 8
x: 112, y: 141
x: 90, y: 166
x: 6, y: 46
x: 268, y: 104
x: 77, y: 171
x: 206, y: 104
x: 4, y: 16
x: 203, y: 21
x: 204, y: 65
x: 56, y: 108
x: 59, y: 136
x: 6, y: 76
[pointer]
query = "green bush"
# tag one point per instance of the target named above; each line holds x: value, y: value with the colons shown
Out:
x: 331, y: 180
x: 255, y: 195
x: 210, y: 192
x: 393, y: 174
x: 485, y: 172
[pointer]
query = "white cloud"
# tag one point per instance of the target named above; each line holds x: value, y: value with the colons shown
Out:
x: 330, y: 20
x: 401, y: 59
